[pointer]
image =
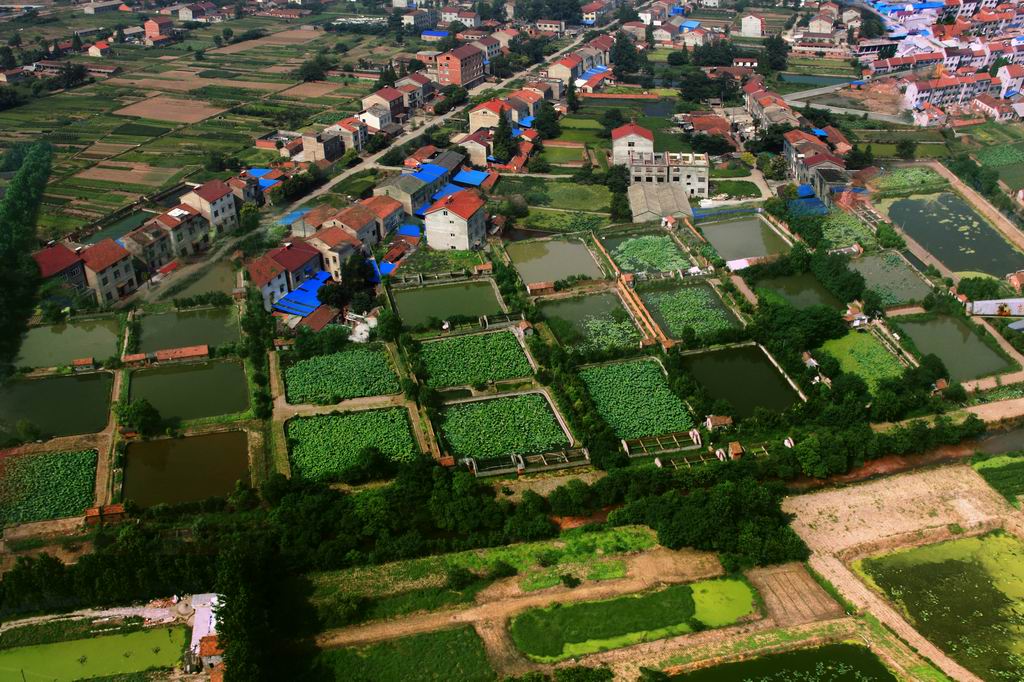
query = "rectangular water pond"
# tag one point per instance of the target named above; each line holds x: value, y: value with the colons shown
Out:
x: 552, y: 259
x: 192, y: 391
x: 832, y: 662
x: 213, y: 327
x: 800, y: 291
x: 470, y: 299
x: 121, y: 227
x: 106, y: 657
x: 596, y: 321
x: 58, y: 344
x: 220, y: 277
x: 190, y: 469
x: 744, y: 238
x: 58, y: 406
x: 744, y: 377
x: 890, y: 275
x: 646, y: 252
x: 965, y: 354
x: 677, y: 307
x: 951, y: 230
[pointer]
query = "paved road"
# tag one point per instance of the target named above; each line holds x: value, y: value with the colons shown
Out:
x: 813, y: 92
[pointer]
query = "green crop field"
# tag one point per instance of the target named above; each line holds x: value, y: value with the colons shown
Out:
x: 695, y: 307
x: 353, y: 373
x: 325, y: 446
x: 963, y: 595
x: 522, y: 424
x: 635, y: 400
x: 556, y: 194
x: 862, y: 354
x: 1005, y: 473
x: 46, y: 486
x: 434, y: 656
x: 567, y: 631
x: 474, y: 359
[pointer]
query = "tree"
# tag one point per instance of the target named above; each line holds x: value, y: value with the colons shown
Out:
x: 314, y: 69
x: 538, y: 164
x: 334, y: 294
x: 610, y: 120
x: 139, y: 416
x: 76, y: 43
x: 502, y: 145
x: 218, y: 41
x: 71, y: 75
x: 572, y: 100
x: 679, y: 58
x: 228, y: 34
x: 248, y: 218
x: 620, y: 210
x: 7, y: 60
x: 624, y: 55
x: 858, y: 158
x: 546, y: 122
x: 387, y: 77
x: 906, y: 149
x: 776, y: 53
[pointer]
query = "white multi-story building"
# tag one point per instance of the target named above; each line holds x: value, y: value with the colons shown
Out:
x: 457, y: 221
x: 633, y: 147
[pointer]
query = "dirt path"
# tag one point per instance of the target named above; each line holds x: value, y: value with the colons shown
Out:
x: 741, y: 284
x: 905, y: 310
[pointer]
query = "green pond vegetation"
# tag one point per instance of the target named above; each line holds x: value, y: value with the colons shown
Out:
x: 521, y: 424
x: 1005, y: 473
x: 474, y: 359
x: 325, y: 446
x: 862, y: 354
x: 567, y: 630
x: 635, y: 399
x: 354, y: 372
x: 49, y: 485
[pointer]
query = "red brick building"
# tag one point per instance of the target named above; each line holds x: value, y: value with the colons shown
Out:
x: 462, y: 66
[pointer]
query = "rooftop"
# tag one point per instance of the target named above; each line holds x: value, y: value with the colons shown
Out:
x: 104, y: 254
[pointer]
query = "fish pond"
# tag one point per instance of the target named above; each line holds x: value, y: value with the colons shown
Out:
x: 467, y: 299
x: 191, y: 391
x: 190, y: 469
x: 951, y: 230
x: 801, y: 291
x: 121, y: 227
x: 591, y: 322
x: 58, y: 344
x: 829, y: 663
x: 677, y: 307
x: 212, y: 326
x: 966, y: 596
x: 552, y: 259
x: 744, y: 238
x: 965, y: 354
x: 892, y: 277
x: 219, y: 277
x: 98, y: 657
x: 744, y: 377
x: 58, y: 405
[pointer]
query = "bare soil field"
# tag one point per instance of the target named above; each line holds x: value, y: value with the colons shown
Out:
x: 883, y: 514
x: 128, y: 173
x: 791, y: 595
x: 295, y: 36
x: 102, y: 150
x: 186, y: 81
x: 310, y: 89
x: 172, y: 109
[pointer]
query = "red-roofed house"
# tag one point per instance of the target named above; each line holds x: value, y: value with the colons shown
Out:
x: 1011, y: 79
x: 462, y: 66
x: 486, y: 114
x: 299, y: 260
x: 188, y: 229
x: 320, y: 318
x: 216, y: 202
x: 456, y: 221
x: 100, y: 48
x: 390, y: 98
x: 269, y: 277
x: 420, y: 156
x: 388, y: 213
x: 752, y: 26
x: 360, y: 220
x: 335, y: 245
x: 630, y: 138
x: 158, y: 27
x: 57, y: 260
x: 109, y: 271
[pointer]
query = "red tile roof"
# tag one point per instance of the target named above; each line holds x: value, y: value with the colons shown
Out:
x: 388, y: 94
x: 55, y: 259
x: 333, y: 236
x: 320, y: 318
x: 102, y: 255
x: 493, y: 105
x: 185, y: 353
x: 212, y: 190
x: 262, y: 270
x: 632, y: 129
x: 381, y: 206
x: 209, y: 646
x: 465, y: 52
x: 463, y: 204
x: 356, y: 216
x: 293, y: 255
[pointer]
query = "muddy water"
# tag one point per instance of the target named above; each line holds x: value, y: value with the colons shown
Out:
x: 966, y: 356
x: 744, y: 238
x: 744, y: 377
x: 59, y: 344
x: 58, y: 406
x: 950, y: 229
x: 417, y: 306
x: 552, y: 260
x: 801, y: 291
x: 192, y: 391
x: 176, y: 470
x: 213, y: 327
x: 218, y: 277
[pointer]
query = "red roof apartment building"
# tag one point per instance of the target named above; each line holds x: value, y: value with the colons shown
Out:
x: 462, y: 66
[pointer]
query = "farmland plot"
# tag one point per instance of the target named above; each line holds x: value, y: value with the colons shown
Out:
x: 325, y: 446
x: 635, y: 400
x: 46, y: 486
x: 521, y: 424
x: 862, y: 354
x: 352, y: 373
x: 475, y: 359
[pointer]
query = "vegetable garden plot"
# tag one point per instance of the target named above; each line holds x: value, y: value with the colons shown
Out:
x: 352, y: 373
x: 476, y: 359
x: 635, y: 400
x: 46, y: 486
x: 324, y: 446
x: 520, y: 424
x: 678, y: 307
x: 649, y: 252
x: 862, y: 354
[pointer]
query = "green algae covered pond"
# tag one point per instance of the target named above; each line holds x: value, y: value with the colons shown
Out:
x: 829, y: 663
x: 154, y: 648
x: 964, y: 353
x: 801, y: 291
x: 744, y: 238
x: 951, y: 230
x: 58, y: 405
x: 966, y: 596
x: 595, y: 321
x: 55, y: 345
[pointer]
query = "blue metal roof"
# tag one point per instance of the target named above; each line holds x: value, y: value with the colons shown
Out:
x: 429, y: 172
x: 293, y: 216
x: 804, y: 191
x: 435, y: 34
x: 422, y: 210
x: 302, y: 301
x: 819, y: 132
x: 808, y: 206
x: 472, y: 178
x: 264, y: 184
x: 690, y: 24
x: 409, y: 230
x: 526, y: 121
x: 447, y: 190
x: 380, y: 269
x: 258, y: 172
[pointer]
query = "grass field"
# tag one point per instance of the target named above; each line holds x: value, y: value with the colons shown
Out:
x: 862, y: 354
x: 567, y: 631
x: 564, y: 221
x: 1005, y: 473
x: 736, y: 189
x: 558, y: 194
x: 442, y: 656
x: 429, y: 261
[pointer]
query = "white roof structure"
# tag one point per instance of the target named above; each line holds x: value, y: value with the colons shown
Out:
x: 205, y: 619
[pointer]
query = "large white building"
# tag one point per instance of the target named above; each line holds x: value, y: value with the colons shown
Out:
x: 633, y: 147
x: 456, y: 221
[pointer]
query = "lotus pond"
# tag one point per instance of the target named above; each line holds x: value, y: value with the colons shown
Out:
x: 677, y: 307
x: 892, y: 276
x: 646, y: 251
x: 596, y: 321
